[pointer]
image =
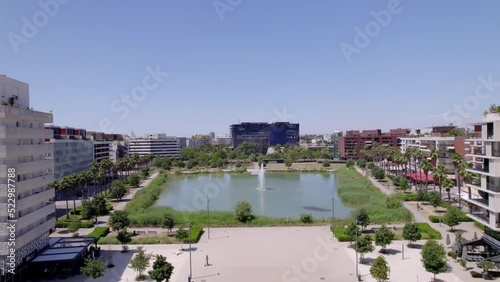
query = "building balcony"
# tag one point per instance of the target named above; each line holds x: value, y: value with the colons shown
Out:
x: 481, y: 217
x: 476, y: 168
x: 479, y: 202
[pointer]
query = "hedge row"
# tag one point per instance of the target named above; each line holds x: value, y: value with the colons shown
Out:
x: 426, y: 228
x: 463, y: 218
x: 99, y: 232
x: 109, y: 207
x: 196, y: 232
x: 64, y: 223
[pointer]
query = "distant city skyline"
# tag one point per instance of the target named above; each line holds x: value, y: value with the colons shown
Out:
x: 184, y: 67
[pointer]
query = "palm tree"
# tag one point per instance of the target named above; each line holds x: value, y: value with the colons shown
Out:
x: 62, y: 186
x: 434, y: 155
x: 85, y: 180
x: 457, y: 161
x: 418, y: 155
x: 426, y: 167
x: 74, y: 183
x: 467, y: 177
x: 447, y: 184
x: 101, y: 178
x: 408, y: 155
x: 439, y: 173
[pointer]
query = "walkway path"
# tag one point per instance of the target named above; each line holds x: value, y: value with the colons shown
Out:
x: 468, y: 227
x: 62, y: 232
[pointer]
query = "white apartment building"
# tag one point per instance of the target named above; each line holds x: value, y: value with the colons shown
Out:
x: 445, y: 147
x: 156, y: 144
x: 23, y: 148
x: 483, y: 194
x: 225, y: 139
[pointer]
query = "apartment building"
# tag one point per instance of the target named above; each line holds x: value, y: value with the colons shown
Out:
x: 199, y: 140
x: 483, y: 195
x: 159, y: 145
x: 350, y: 145
x: 23, y: 149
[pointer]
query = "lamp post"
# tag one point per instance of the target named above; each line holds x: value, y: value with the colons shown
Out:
x: 357, y: 260
x: 333, y: 217
x: 208, y: 217
x: 190, y: 261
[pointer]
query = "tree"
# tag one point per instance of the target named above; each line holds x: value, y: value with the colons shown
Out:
x: 306, y: 218
x: 119, y: 220
x: 93, y: 268
x: 168, y: 222
x: 378, y: 173
x: 434, y: 258
x: 124, y: 237
x: 100, y: 204
x: 426, y: 166
x: 435, y: 199
x: 452, y: 217
x: 243, y: 211
x: 439, y: 173
x: 181, y: 235
x: 362, y: 163
x: 134, y: 179
x: 118, y: 190
x: 326, y: 163
x: 363, y: 218
x: 411, y: 233
x: 162, y: 269
x: 447, y: 184
x: 140, y: 262
x: 384, y: 237
x: 365, y: 246
x: 350, y: 231
x: 349, y: 163
x: 288, y: 164
x: 486, y: 266
x: 89, y: 210
x: 380, y: 269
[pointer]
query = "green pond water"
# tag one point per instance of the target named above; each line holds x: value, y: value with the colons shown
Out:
x: 286, y: 194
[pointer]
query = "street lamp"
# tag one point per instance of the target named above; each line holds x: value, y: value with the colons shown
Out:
x: 190, y: 261
x: 208, y: 217
x: 357, y: 260
x: 333, y: 217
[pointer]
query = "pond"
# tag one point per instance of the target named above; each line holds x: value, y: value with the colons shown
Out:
x: 286, y: 194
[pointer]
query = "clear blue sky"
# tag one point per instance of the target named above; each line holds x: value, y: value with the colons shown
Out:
x: 265, y: 56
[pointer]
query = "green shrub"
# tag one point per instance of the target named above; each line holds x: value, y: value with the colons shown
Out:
x: 427, y: 229
x: 394, y: 201
x: 100, y: 232
x: 65, y: 223
x: 463, y: 218
x: 196, y: 232
x: 452, y: 255
x: 370, y: 165
x: 479, y: 225
x: 306, y: 218
x: 109, y: 207
x: 476, y: 274
x: 146, y: 197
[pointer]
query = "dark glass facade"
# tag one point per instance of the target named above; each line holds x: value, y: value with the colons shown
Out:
x: 264, y: 135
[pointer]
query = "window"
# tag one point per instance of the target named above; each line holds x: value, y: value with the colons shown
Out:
x: 18, y: 124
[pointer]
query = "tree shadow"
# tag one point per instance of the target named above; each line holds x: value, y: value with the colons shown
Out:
x: 415, y: 246
x: 390, y: 252
x: 368, y: 261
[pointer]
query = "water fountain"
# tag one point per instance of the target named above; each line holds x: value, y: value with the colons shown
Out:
x: 262, y: 179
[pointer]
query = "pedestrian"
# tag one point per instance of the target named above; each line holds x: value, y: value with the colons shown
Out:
x: 206, y: 261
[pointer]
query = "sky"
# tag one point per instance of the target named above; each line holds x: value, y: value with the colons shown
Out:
x: 188, y: 67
